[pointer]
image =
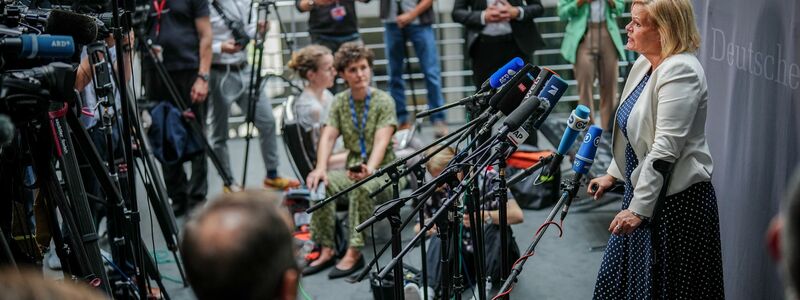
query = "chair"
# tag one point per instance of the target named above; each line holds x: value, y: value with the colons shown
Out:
x: 298, y: 141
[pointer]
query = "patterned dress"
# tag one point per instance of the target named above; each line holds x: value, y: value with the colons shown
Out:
x: 679, y: 257
x: 381, y: 114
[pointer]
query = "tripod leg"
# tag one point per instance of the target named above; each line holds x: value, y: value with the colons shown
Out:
x: 78, y: 200
x: 154, y: 274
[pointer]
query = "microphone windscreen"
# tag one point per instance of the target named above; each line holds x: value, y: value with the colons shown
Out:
x: 499, y: 101
x: 82, y: 28
x: 516, y: 94
x: 502, y: 75
x: 540, y: 81
x: 552, y: 92
x: 522, y: 113
x: 585, y: 156
x: 577, y: 122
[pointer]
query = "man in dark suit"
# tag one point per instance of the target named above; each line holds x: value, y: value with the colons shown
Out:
x: 497, y: 31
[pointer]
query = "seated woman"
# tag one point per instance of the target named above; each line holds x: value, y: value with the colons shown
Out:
x: 365, y: 118
x: 314, y: 64
x: 490, y: 215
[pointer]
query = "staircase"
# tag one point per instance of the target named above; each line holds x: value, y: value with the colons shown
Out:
x: 456, y: 73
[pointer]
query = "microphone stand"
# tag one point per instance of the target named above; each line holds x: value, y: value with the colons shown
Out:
x: 256, y: 78
x: 391, y: 210
x: 133, y: 213
x: 463, y: 101
x: 400, y: 161
x: 570, y: 189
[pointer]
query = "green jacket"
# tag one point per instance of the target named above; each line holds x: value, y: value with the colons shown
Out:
x: 568, y: 10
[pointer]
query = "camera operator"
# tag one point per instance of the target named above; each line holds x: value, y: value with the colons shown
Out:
x: 181, y: 29
x: 229, y: 82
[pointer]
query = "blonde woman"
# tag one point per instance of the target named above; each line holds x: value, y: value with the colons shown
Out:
x: 662, y: 118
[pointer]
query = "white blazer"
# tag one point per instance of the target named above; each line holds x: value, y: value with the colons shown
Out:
x: 668, y: 123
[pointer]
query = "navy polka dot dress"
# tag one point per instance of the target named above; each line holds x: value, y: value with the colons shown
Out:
x: 677, y: 258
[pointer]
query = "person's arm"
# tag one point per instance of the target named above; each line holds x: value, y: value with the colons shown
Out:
x: 382, y: 138
x: 513, y: 213
x: 409, y: 16
x: 530, y: 11
x: 464, y: 14
x: 85, y: 72
x: 679, y: 90
x: 200, y: 87
x: 83, y: 75
x: 326, y: 141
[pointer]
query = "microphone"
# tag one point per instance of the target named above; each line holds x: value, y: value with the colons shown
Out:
x: 576, y: 123
x: 82, y: 28
x: 31, y: 46
x: 512, y: 124
x: 585, y: 156
x: 552, y: 92
x: 540, y: 81
x: 506, y: 104
x: 506, y: 72
x: 583, y: 162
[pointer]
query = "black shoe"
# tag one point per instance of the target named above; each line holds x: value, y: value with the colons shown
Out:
x: 311, y: 270
x: 337, y: 273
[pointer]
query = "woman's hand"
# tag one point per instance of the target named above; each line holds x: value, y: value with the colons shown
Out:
x: 314, y: 177
x: 357, y: 176
x: 598, y: 186
x: 624, y: 223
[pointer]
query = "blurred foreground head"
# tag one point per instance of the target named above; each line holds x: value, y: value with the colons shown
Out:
x: 30, y: 285
x: 240, y: 246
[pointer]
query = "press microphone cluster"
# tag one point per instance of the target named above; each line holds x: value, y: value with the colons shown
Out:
x: 509, y: 97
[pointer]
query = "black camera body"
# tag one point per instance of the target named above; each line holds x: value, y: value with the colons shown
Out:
x: 240, y: 36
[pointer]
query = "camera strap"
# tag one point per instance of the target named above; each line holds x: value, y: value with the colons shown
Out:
x: 228, y: 21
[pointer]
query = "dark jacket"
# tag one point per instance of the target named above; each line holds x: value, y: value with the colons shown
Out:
x: 426, y: 18
x: 468, y: 13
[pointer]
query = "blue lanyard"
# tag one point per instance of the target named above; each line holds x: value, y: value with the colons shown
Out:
x: 360, y: 126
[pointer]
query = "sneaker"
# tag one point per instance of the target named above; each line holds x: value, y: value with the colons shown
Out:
x: 440, y: 130
x: 281, y: 183
x: 412, y: 291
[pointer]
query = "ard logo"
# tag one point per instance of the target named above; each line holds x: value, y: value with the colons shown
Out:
x: 553, y: 90
x: 59, y: 44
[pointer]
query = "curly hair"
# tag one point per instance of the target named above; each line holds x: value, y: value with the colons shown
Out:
x: 351, y: 52
x: 307, y: 59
